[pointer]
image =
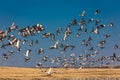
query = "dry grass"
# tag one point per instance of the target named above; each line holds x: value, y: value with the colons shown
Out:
x: 37, y: 74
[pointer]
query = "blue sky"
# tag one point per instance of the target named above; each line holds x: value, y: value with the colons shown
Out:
x: 57, y: 13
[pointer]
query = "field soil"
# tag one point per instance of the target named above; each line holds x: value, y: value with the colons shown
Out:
x: 15, y: 73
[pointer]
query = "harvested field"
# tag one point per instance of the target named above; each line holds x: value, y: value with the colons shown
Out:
x: 13, y: 73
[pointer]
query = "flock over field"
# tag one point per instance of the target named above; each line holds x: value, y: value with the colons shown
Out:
x: 91, y: 34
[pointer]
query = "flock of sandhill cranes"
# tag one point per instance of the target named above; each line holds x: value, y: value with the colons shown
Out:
x: 8, y: 39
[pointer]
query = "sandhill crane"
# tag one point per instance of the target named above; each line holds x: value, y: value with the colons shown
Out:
x: 3, y: 45
x: 107, y: 36
x: 27, y: 55
x: 83, y: 13
x: 58, y: 31
x: 13, y: 42
x: 111, y: 24
x: 96, y: 31
x: 82, y: 22
x: 74, y: 22
x: 97, y: 21
x: 97, y: 12
x: 40, y: 50
x: 38, y: 65
x: 11, y: 52
x: 18, y: 44
x: 5, y: 56
x: 55, y: 45
x: 116, y: 46
x: 31, y: 43
x: 65, y: 36
x: 13, y: 27
x: 46, y: 35
x: 90, y: 20
x: 81, y: 67
x: 65, y: 47
x: 3, y: 34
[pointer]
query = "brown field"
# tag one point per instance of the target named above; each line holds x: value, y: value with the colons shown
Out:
x: 13, y: 73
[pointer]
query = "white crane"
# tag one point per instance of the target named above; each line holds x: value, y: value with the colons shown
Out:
x: 96, y: 31
x: 65, y: 36
x: 18, y: 44
x: 48, y: 73
x: 27, y: 55
x: 83, y: 13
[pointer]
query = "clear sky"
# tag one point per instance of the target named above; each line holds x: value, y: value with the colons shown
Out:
x: 52, y: 14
